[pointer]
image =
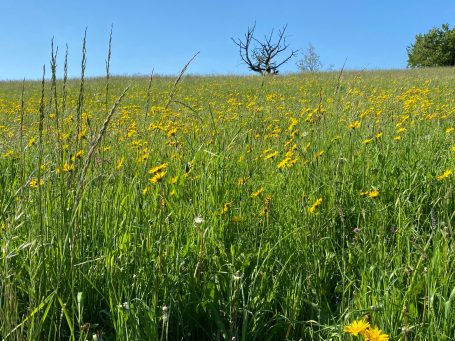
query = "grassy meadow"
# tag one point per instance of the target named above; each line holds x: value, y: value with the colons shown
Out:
x: 228, y: 208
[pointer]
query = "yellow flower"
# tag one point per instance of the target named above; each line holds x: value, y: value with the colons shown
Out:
x: 370, y: 194
x: 34, y: 183
x: 68, y: 167
x: 317, y: 203
x: 157, y: 177
x: 283, y: 163
x: 158, y: 168
x: 450, y: 130
x: 78, y: 155
x: 355, y: 125
x: 226, y: 207
x: 444, y: 175
x: 375, y: 334
x: 31, y: 142
x: 271, y: 155
x: 318, y: 154
x: 357, y: 327
x: 453, y: 148
x: 256, y: 194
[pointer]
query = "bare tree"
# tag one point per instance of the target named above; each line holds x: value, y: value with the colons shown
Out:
x: 310, y: 61
x: 261, y: 56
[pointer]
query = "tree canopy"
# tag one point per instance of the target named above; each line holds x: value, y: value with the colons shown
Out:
x: 435, y: 48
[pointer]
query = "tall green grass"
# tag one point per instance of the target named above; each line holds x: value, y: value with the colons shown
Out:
x: 97, y: 251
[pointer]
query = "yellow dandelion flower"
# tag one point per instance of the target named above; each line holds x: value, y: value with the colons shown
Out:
x: 370, y: 194
x: 400, y: 130
x: 366, y: 141
x: 158, y: 168
x: 257, y: 193
x: 356, y: 328
x: 373, y: 194
x: 379, y: 135
x: 78, y: 155
x: 68, y: 167
x: 396, y: 138
x: 283, y: 163
x: 263, y: 212
x: 31, y: 142
x: 34, y: 183
x: 450, y: 130
x: 171, y: 132
x: 174, y: 180
x: 375, y: 334
x: 226, y: 207
x: 444, y: 175
x: 318, y: 154
x: 317, y: 203
x: 453, y: 148
x: 158, y: 177
x: 355, y: 125
x: 271, y: 155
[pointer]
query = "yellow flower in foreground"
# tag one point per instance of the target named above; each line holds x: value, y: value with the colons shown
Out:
x: 444, y: 175
x: 34, y: 183
x: 370, y: 194
x: 157, y: 177
x: 357, y: 327
x: 450, y: 130
x: 453, y: 148
x: 158, y: 168
x: 375, y: 334
x: 317, y: 203
x: 271, y: 155
x: 256, y: 194
x: 68, y: 167
x: 354, y: 125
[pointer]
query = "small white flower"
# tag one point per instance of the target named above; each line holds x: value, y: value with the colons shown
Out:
x: 198, y: 220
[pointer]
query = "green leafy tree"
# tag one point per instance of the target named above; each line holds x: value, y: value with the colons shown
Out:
x: 435, y: 48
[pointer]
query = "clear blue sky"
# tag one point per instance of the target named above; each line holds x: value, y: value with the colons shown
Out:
x: 163, y: 34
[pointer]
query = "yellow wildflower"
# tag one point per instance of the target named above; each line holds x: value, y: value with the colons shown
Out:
x: 357, y: 327
x: 317, y: 203
x: 444, y: 175
x: 34, y: 183
x: 157, y: 177
x: 355, y: 125
x: 226, y: 207
x: 78, y: 155
x: 257, y: 193
x: 68, y: 167
x: 271, y: 155
x: 450, y: 130
x: 375, y: 334
x: 370, y: 194
x: 158, y: 168
x: 318, y: 154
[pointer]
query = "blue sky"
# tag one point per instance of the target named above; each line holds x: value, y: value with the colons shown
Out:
x: 163, y: 35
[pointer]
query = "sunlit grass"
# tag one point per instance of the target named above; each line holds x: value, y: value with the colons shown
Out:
x: 256, y: 208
